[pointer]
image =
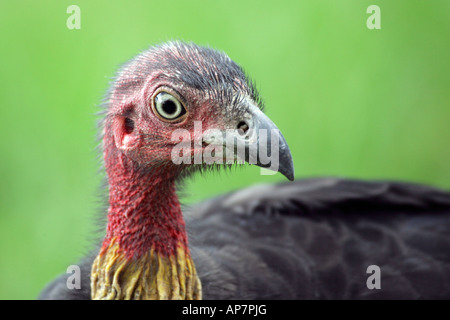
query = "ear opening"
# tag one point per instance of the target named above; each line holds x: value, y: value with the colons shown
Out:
x: 129, y: 125
x: 123, y: 128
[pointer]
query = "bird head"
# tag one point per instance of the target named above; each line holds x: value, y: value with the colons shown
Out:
x: 171, y: 110
x: 180, y: 107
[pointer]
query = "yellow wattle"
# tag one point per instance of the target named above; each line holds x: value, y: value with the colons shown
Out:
x: 152, y: 276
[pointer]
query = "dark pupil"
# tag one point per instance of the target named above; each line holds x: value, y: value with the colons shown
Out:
x: 169, y: 107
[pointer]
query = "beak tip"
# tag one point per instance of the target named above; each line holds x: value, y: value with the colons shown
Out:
x: 289, y: 174
x: 287, y: 164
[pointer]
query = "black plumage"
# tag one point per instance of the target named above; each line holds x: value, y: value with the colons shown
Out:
x: 309, y: 239
x: 315, y: 239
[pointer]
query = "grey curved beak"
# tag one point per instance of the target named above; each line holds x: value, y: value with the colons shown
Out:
x: 266, y: 145
x: 258, y: 142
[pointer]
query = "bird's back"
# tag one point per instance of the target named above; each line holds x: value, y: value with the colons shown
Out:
x: 316, y: 239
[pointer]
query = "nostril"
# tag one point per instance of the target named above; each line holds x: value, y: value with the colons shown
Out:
x: 242, y: 127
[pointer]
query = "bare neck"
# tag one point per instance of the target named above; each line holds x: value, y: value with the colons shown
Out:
x: 144, y: 211
x: 145, y: 253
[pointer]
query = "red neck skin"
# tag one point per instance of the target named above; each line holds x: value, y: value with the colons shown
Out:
x: 144, y: 212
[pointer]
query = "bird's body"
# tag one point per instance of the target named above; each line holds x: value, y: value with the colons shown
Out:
x: 302, y: 240
x: 315, y: 239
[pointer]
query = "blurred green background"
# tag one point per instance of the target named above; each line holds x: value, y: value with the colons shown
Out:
x: 350, y: 101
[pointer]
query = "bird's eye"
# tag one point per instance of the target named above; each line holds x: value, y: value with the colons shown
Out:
x: 168, y: 107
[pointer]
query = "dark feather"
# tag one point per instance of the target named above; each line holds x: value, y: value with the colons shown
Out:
x: 314, y: 239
